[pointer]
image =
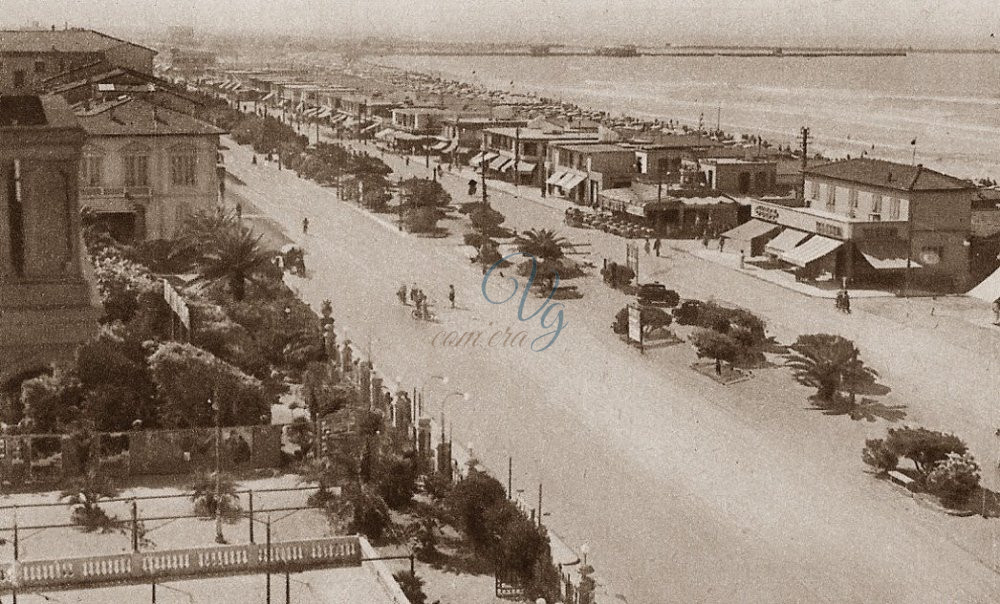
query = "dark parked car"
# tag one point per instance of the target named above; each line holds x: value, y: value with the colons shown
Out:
x: 688, y: 312
x: 656, y: 294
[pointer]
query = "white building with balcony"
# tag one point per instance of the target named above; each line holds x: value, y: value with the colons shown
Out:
x: 146, y: 167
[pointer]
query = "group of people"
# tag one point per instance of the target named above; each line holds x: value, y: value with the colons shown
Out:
x: 656, y: 246
x: 420, y: 299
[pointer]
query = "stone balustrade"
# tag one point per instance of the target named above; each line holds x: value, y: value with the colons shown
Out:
x: 213, y: 560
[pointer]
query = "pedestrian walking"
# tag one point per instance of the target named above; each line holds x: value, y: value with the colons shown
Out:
x: 407, y: 160
x: 996, y: 311
x: 305, y: 226
x: 254, y: 160
x: 743, y: 259
x: 704, y: 241
x: 239, y: 211
x: 451, y: 295
x: 656, y: 247
x: 414, y: 292
x: 646, y: 247
x: 722, y: 243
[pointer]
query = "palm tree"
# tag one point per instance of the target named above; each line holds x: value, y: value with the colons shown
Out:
x: 546, y: 247
x: 321, y: 473
x: 233, y: 255
x: 204, y: 498
x: 543, y: 244
x: 84, y: 493
x: 830, y: 364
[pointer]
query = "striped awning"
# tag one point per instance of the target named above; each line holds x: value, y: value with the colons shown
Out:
x: 325, y: 112
x: 338, y: 118
x: 555, y: 178
x: 500, y: 163
x: 785, y: 241
x: 571, y: 181
x: 811, y: 250
x: 451, y: 146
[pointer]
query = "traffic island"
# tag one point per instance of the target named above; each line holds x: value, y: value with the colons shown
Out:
x: 723, y: 374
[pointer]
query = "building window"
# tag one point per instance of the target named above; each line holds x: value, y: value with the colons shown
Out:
x: 529, y: 149
x: 876, y: 203
x: 137, y: 170
x: 182, y: 170
x: 15, y: 216
x: 90, y: 174
x: 814, y: 190
x: 19, y: 78
x: 39, y: 66
x: 852, y: 201
x: 894, y: 208
x: 831, y: 197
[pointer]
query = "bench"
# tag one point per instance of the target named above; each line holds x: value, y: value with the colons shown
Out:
x: 900, y: 478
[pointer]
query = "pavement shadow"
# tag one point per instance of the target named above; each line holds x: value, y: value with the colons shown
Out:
x: 865, y: 409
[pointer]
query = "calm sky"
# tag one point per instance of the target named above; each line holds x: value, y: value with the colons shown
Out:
x: 645, y: 22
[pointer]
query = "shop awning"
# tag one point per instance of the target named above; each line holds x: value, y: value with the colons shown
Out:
x: 338, y: 118
x: 350, y: 122
x: 785, y: 241
x: 525, y: 167
x: 555, y: 178
x: 385, y: 135
x: 811, y: 250
x: 988, y: 289
x: 888, y: 264
x: 369, y: 127
x: 438, y: 146
x: 572, y: 181
x: 477, y: 159
x: 500, y: 162
x: 451, y: 146
x: 750, y: 230
x: 325, y: 112
x: 268, y: 96
x: 310, y: 112
x: 462, y: 150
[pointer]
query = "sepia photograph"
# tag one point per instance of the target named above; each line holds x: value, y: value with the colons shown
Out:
x: 515, y: 302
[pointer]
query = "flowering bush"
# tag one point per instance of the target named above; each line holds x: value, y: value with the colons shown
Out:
x: 955, y: 478
x: 187, y: 377
x: 120, y: 282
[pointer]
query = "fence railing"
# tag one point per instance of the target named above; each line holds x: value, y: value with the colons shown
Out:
x: 172, y: 564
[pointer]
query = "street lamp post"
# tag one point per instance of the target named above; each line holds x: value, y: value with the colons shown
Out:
x: 218, y: 469
x: 444, y: 406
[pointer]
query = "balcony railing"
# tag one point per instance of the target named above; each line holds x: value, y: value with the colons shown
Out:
x: 115, y: 191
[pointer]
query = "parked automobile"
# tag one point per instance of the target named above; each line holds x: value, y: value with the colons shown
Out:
x: 687, y: 313
x: 656, y: 294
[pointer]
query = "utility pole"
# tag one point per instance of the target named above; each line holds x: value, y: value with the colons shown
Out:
x: 482, y: 172
x: 805, y: 157
x: 539, y: 505
x: 218, y: 469
x: 510, y: 475
x: 517, y: 155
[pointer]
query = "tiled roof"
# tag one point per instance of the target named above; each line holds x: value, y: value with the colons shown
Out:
x: 880, y: 173
x: 594, y: 148
x: 60, y: 40
x: 32, y: 110
x: 131, y: 116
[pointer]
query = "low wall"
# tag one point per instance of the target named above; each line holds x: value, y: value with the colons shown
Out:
x: 141, y: 567
x: 380, y: 570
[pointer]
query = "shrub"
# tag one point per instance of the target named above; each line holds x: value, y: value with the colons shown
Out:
x: 715, y: 345
x: 187, y: 378
x: 49, y: 401
x: 397, y: 481
x: 421, y: 219
x: 371, y: 516
x: 412, y: 586
x: 879, y: 456
x: 955, y: 478
x: 923, y: 447
x: 620, y: 324
x: 471, y: 500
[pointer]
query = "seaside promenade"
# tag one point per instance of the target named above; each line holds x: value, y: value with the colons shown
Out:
x: 643, y: 445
